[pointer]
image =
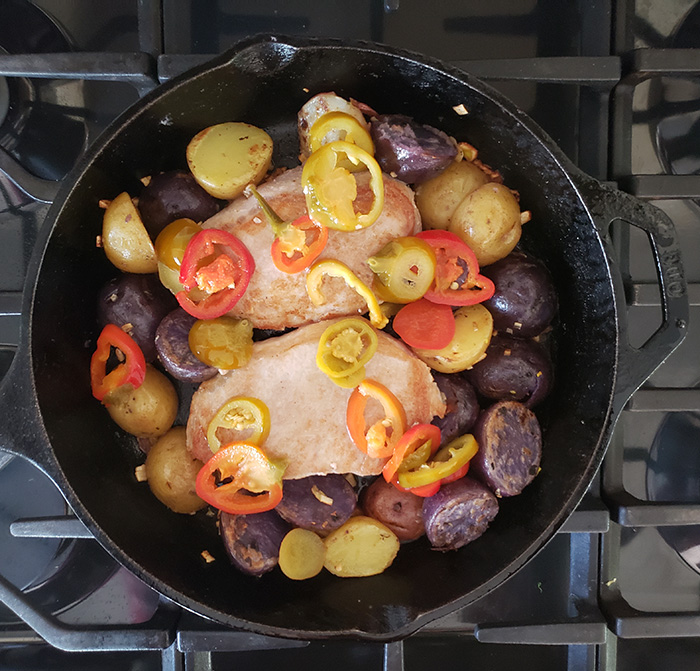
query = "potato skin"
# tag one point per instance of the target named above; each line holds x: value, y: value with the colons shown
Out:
x: 488, y: 220
x: 361, y: 547
x: 514, y: 369
x: 172, y: 472
x: 318, y: 502
x: 139, y: 300
x: 146, y: 412
x: 458, y: 514
x: 401, y: 511
x: 125, y: 239
x: 462, y: 406
x: 438, y: 198
x: 253, y: 542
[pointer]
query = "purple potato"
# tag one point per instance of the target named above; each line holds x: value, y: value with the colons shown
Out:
x: 525, y: 300
x: 411, y: 151
x: 458, y: 514
x: 174, y: 350
x: 462, y: 406
x: 318, y: 502
x: 510, y: 448
x: 174, y: 195
x: 253, y: 542
x: 139, y: 300
x: 513, y: 369
x: 401, y: 511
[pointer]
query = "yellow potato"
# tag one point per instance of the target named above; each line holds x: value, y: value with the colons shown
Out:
x: 488, y: 220
x: 125, y: 239
x: 172, y: 472
x: 146, y: 412
x: 302, y: 554
x: 227, y: 157
x: 438, y: 198
x: 360, y: 547
x: 473, y: 330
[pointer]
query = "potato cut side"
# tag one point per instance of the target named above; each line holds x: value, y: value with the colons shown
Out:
x: 302, y: 554
x: 225, y: 158
x: 361, y: 547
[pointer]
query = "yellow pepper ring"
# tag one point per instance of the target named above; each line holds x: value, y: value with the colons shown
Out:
x: 354, y: 131
x: 344, y: 348
x: 419, y: 471
x: 331, y: 190
x: 333, y: 268
x: 240, y: 413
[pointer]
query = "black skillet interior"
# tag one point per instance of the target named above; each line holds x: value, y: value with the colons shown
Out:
x: 265, y: 85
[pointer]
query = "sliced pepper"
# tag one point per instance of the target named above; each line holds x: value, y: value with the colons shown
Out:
x: 333, y: 268
x: 216, y: 263
x: 382, y: 437
x: 172, y: 241
x: 297, y: 243
x: 225, y: 343
x: 425, y: 325
x: 242, y: 414
x: 131, y: 368
x: 448, y: 461
x: 352, y: 129
x: 414, y: 448
x: 404, y: 269
x: 239, y: 479
x: 331, y: 191
x: 457, y: 277
x: 344, y: 348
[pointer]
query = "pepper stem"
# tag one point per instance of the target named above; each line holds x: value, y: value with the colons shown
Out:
x: 272, y: 217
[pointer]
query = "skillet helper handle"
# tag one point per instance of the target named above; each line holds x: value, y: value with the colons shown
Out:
x: 22, y: 431
x: 636, y: 364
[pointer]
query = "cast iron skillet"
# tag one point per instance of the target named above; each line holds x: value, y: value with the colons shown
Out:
x: 52, y: 419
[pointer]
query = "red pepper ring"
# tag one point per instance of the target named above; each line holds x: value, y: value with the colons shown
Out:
x: 132, y: 370
x: 241, y: 480
x: 425, y: 491
x: 455, y: 258
x: 219, y: 264
x: 411, y: 441
x: 304, y: 254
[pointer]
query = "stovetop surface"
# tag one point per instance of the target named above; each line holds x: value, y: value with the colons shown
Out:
x: 581, y: 603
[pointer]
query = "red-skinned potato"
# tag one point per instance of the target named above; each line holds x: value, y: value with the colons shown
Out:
x: 400, y: 511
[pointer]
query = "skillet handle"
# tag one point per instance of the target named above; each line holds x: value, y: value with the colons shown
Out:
x: 636, y: 364
x: 22, y: 431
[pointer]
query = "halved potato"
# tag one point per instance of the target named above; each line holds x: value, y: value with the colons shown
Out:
x: 125, y: 239
x: 225, y: 158
x: 473, y: 330
x: 362, y: 546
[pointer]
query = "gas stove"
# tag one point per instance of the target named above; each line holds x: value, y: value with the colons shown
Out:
x: 617, y: 85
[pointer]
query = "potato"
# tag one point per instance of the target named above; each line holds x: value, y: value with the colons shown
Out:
x: 146, y: 412
x: 488, y: 220
x: 438, y: 198
x: 124, y: 237
x: 473, y: 330
x: 172, y: 472
x: 399, y: 510
x: 227, y: 157
x: 361, y: 547
x: 302, y: 554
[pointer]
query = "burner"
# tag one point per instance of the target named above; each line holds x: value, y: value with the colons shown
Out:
x: 673, y: 475
x: 54, y: 573
x: 38, y: 126
x: 677, y: 135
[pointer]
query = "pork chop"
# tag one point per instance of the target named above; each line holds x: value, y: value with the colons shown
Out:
x: 278, y: 300
x: 307, y: 410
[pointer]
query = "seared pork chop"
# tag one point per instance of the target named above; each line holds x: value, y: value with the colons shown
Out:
x: 307, y: 410
x: 277, y: 300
